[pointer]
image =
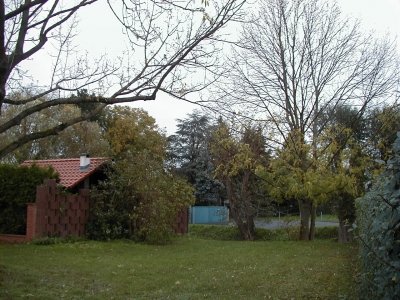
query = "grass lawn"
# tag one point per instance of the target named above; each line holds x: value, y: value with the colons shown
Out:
x: 190, y: 268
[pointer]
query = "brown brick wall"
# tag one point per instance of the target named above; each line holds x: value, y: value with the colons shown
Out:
x: 60, y: 214
x: 12, y: 238
x: 56, y: 213
x: 182, y: 222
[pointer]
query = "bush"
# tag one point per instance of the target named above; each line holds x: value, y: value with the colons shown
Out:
x: 215, y: 232
x: 107, y: 222
x: 231, y: 233
x: 279, y: 234
x: 140, y: 201
x: 328, y: 232
x: 110, y: 210
x: 378, y: 221
x: 17, y: 188
x: 57, y: 240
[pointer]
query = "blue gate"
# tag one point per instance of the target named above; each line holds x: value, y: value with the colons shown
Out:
x: 209, y: 215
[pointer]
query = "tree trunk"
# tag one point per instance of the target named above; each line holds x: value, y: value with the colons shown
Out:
x: 345, y: 236
x: 2, y: 89
x: 241, y: 207
x: 244, y: 221
x: 312, y: 223
x: 246, y: 229
x: 305, y: 213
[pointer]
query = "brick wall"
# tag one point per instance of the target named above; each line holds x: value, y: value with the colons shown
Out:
x: 182, y: 222
x: 12, y: 238
x: 56, y: 213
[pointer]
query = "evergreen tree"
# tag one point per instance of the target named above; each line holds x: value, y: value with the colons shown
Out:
x: 378, y: 220
x: 189, y: 156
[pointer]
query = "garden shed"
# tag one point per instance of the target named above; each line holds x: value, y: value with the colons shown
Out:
x: 75, y: 173
x: 61, y: 208
x: 65, y: 211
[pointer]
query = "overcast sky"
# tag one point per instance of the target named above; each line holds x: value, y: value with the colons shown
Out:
x: 382, y: 16
x: 98, y: 36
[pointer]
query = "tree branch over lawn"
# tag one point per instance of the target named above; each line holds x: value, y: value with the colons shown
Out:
x: 167, y: 44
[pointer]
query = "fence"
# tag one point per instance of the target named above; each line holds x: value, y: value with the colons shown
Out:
x: 209, y: 215
x: 182, y: 222
x: 59, y: 214
x: 56, y: 213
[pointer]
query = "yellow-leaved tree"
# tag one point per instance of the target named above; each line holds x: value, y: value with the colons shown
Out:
x: 236, y: 161
x: 295, y: 175
x: 141, y: 199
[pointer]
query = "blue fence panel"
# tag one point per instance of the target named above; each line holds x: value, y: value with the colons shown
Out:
x: 209, y: 215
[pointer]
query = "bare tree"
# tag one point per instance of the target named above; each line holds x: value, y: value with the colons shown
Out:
x: 168, y: 41
x: 293, y: 60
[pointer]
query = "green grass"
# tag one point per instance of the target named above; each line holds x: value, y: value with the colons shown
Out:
x: 190, y: 268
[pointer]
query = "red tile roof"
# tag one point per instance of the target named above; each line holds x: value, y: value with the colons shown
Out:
x: 68, y: 169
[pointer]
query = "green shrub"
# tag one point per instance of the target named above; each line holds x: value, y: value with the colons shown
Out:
x: 271, y: 234
x: 378, y: 221
x: 328, y: 232
x: 110, y: 210
x: 57, y: 240
x: 215, y: 232
x: 140, y: 201
x: 17, y: 188
x: 231, y: 233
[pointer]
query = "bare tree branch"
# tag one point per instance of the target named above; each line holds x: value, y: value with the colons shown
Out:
x: 297, y: 58
x: 170, y: 42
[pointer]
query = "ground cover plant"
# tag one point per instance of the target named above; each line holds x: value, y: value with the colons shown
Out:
x: 189, y: 268
x: 231, y: 233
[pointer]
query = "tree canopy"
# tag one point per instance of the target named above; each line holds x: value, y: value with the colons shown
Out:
x: 236, y: 160
x: 163, y: 57
x: 189, y: 156
x: 294, y: 61
x: 140, y: 199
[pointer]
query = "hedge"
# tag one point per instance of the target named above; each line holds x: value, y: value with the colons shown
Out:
x: 378, y: 229
x: 231, y: 233
x: 18, y: 187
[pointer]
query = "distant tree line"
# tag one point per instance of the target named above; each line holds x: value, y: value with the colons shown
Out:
x: 251, y: 173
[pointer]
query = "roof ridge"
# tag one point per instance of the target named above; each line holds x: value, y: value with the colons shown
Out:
x: 63, y: 159
x: 68, y: 168
x: 52, y: 159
